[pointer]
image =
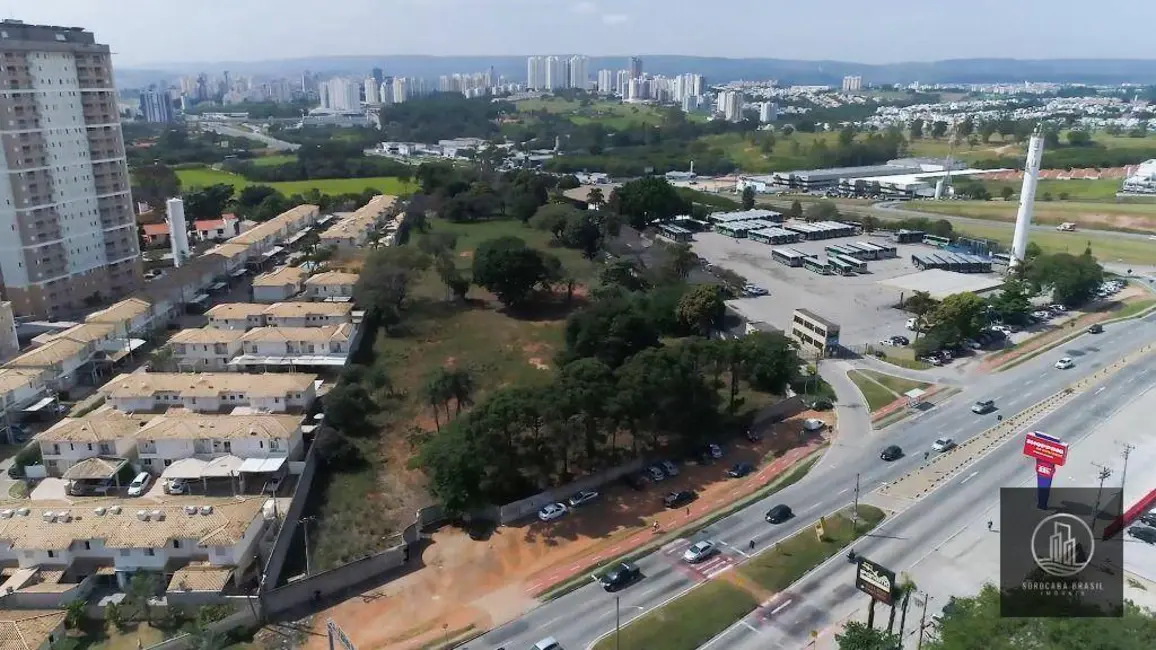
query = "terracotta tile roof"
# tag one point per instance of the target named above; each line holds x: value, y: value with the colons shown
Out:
x: 122, y: 311
x: 325, y: 333
x: 221, y: 427
x: 206, y: 335
x: 142, y: 384
x: 200, y: 576
x: 28, y: 629
x: 236, y: 310
x: 303, y: 309
x: 285, y: 275
x: 105, y: 424
x: 332, y: 277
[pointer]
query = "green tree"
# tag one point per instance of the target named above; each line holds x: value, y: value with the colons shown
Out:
x: 771, y: 361
x: 1006, y: 192
x: 965, y: 128
x: 796, y: 210
x: 585, y: 390
x: 938, y: 129
x: 702, y: 309
x: 748, y: 199
x: 207, y: 202
x: 348, y: 406
x: 857, y: 636
x: 1012, y: 304
x: 611, y: 330
x: 596, y: 198
x: 74, y: 613
x: 919, y: 305
x: 456, y: 284
x: 916, y: 129
x: 436, y: 243
x: 1072, y: 279
x: 155, y: 183
x: 647, y: 200
x: 142, y: 588
x: 963, y: 313
x: 822, y: 211
x: 1079, y: 138
x: 386, y: 279
x: 509, y: 269
x: 679, y: 262
x: 869, y: 223
x: 623, y: 274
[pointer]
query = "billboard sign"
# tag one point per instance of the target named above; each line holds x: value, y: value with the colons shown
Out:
x: 875, y: 581
x: 1045, y: 448
x: 1044, y: 474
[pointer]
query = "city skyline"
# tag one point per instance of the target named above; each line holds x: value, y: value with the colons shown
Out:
x: 832, y: 30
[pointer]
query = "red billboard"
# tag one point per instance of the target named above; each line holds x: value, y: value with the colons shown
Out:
x: 1045, y: 448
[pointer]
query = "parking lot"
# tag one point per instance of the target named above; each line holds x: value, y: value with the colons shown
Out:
x: 862, y: 306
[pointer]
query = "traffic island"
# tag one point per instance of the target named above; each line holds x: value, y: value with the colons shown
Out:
x: 707, y: 610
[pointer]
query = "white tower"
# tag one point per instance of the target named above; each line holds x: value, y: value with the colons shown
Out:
x: 178, y: 233
x: 1027, y: 198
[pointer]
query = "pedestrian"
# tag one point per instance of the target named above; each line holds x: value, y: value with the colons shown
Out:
x: 989, y: 524
x: 688, y: 512
x: 655, y: 526
x: 751, y: 546
x: 926, y: 455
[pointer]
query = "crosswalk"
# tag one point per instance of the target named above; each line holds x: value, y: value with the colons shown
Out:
x: 702, y: 571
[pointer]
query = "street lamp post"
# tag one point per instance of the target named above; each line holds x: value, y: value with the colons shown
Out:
x: 1103, y: 476
x: 617, y: 623
x: 922, y: 621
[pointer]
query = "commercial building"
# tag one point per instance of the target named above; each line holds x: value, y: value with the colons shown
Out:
x: 906, y: 186
x: 818, y: 180
x: 71, y: 237
x: 147, y: 392
x: 331, y: 285
x: 280, y: 284
x: 814, y: 333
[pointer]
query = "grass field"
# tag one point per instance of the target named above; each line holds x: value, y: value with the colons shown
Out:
x: 897, y: 385
x: 612, y: 114
x: 272, y: 161
x: 687, y: 622
x: 782, y: 565
x: 498, y: 349
x: 877, y: 395
x: 750, y: 158
x: 205, y: 176
x: 1130, y: 216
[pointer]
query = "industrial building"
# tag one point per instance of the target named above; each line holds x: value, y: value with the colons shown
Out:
x: 905, y: 186
x: 821, y: 180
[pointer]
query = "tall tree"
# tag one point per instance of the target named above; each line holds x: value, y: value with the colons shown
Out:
x: 916, y: 128
x: 510, y: 269
x: 207, y: 202
x: 702, y: 309
x: 964, y: 314
x: 680, y: 261
x: 155, y: 183
x: 386, y: 279
x: 857, y: 636
x: 647, y: 200
x: 595, y: 198
x: 919, y: 305
x: 748, y: 200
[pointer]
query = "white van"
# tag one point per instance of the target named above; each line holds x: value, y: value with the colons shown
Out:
x: 140, y: 484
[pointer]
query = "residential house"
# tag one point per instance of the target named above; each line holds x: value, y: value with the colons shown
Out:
x: 143, y: 392
x: 237, y: 315
x: 325, y: 346
x: 131, y: 317
x: 20, y: 387
x: 208, y: 349
x: 124, y: 536
x: 31, y: 629
x: 61, y: 360
x: 354, y: 231
x: 169, y: 438
x: 331, y: 285
x: 106, y: 432
x: 278, y: 285
x: 308, y: 314
x: 216, y: 229
x: 236, y: 255
x: 155, y: 235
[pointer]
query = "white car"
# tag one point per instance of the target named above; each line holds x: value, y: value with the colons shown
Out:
x: 942, y: 444
x: 176, y: 486
x: 1064, y: 364
x: 552, y: 511
x: 699, y: 551
x: 140, y: 484
x: 582, y: 497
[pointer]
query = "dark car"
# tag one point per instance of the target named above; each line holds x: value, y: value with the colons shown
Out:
x: 753, y: 436
x: 1143, y: 533
x: 635, y: 481
x: 620, y: 576
x: 739, y: 470
x: 1148, y: 518
x: 900, y: 340
x: 680, y: 498
x: 779, y: 514
x: 1095, y: 328
x: 891, y: 452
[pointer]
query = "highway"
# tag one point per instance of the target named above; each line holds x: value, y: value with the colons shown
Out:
x: 827, y: 596
x: 579, y: 618
x: 271, y: 142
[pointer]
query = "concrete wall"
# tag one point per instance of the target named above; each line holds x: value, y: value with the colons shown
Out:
x: 289, y: 522
x: 243, y: 618
x: 780, y: 411
x: 337, y: 582
x: 46, y: 599
x: 519, y: 509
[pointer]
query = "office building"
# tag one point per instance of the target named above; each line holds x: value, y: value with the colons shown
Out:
x: 635, y: 67
x: 72, y: 240
x: 579, y: 71
x: 851, y: 84
x: 155, y: 106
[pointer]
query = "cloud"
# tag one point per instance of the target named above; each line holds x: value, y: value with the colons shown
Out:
x: 615, y: 19
x: 584, y: 8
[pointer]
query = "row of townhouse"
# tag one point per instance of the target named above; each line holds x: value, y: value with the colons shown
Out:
x: 245, y: 315
x: 156, y: 442
x: 212, y: 349
x: 156, y: 392
x: 289, y: 281
x: 354, y: 231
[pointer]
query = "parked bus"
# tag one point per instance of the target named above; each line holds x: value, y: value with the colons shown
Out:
x: 936, y: 240
x: 816, y: 265
x: 788, y: 256
x: 838, y: 265
x: 857, y: 265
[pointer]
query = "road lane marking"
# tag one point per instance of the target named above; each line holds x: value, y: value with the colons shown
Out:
x: 969, y: 477
x: 781, y: 607
x: 1100, y: 390
x: 750, y: 627
x: 844, y: 491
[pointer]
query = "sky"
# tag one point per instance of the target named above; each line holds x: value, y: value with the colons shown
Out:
x: 149, y: 33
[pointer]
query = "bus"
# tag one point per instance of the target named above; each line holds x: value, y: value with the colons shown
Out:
x: 936, y: 240
x: 857, y: 265
x: 788, y: 256
x: 836, y: 249
x: 840, y: 266
x: 816, y: 265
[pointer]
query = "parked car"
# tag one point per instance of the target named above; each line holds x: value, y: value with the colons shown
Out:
x: 680, y: 498
x: 714, y: 450
x: 549, y: 643
x: 177, y: 486
x: 655, y: 473
x: 1148, y: 518
x: 585, y: 496
x: 900, y: 340
x: 669, y: 468
x: 891, y: 452
x: 753, y: 436
x: 983, y: 406
x: 811, y: 425
x: 1095, y: 328
x: 1143, y: 533
x: 779, y: 514
x: 552, y: 511
x: 1065, y: 363
x: 942, y: 444
x: 739, y: 470
x: 699, y: 551
x: 621, y: 576
x: 140, y: 484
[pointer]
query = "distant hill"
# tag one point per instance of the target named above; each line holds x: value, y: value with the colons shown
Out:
x: 1092, y: 71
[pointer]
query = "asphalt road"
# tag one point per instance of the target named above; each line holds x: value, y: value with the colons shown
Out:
x: 271, y: 142
x: 897, y: 212
x: 828, y: 596
x: 579, y: 618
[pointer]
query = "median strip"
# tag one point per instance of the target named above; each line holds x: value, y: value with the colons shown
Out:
x: 705, y: 611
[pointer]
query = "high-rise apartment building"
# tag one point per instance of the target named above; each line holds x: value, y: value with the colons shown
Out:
x: 635, y: 67
x: 371, y: 93
x: 340, y: 94
x: 606, y: 82
x: 70, y: 239
x: 557, y: 73
x: 622, y: 82
x: 536, y: 73
x: 851, y: 84
x: 730, y: 105
x: 579, y: 72
x: 156, y: 106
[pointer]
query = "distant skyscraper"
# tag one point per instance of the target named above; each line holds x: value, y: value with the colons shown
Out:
x: 378, y: 75
x: 536, y: 73
x: 635, y: 67
x: 851, y: 84
x: 372, y: 95
x: 730, y: 105
x: 768, y: 112
x: 557, y: 73
x: 622, y: 82
x: 156, y: 106
x: 385, y: 91
x: 579, y: 72
x: 340, y: 94
x: 606, y: 82
x: 70, y: 239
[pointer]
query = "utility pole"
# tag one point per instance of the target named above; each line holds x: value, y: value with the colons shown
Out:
x: 305, y: 528
x: 922, y: 621
x: 1105, y: 472
x: 1124, y: 474
x: 617, y: 623
x: 855, y: 509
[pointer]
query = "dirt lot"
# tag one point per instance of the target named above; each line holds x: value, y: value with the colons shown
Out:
x: 473, y: 585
